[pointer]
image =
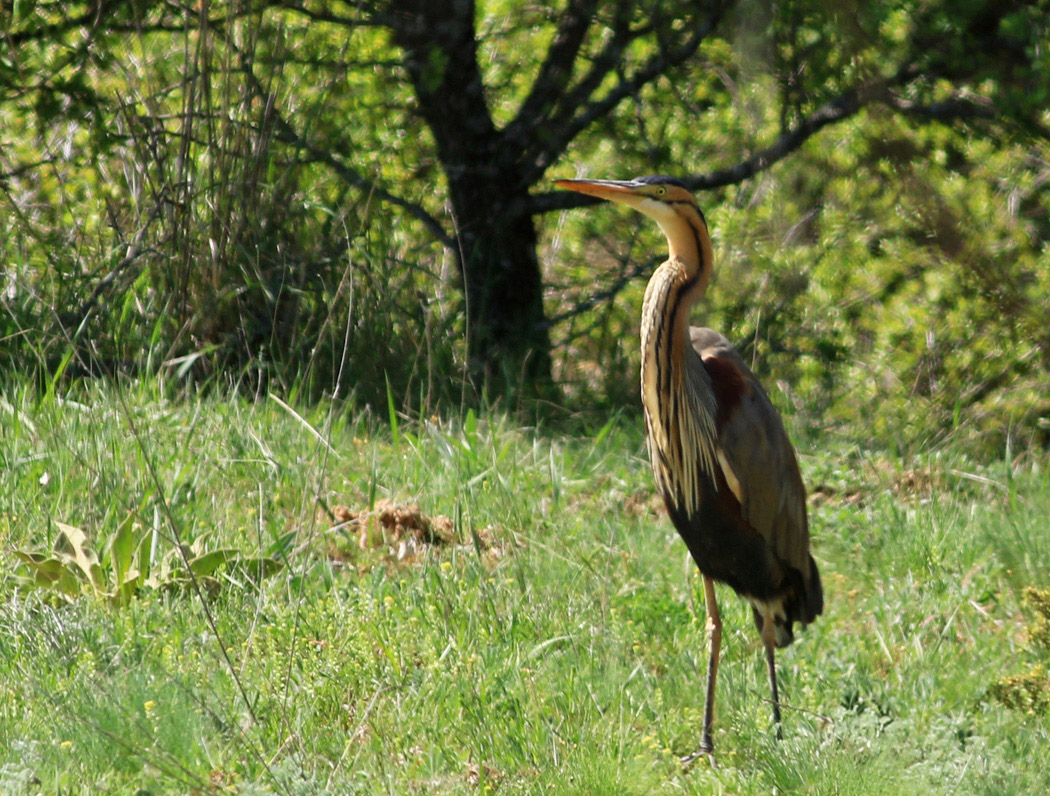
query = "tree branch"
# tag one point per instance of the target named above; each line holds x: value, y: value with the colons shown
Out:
x: 356, y: 179
x: 373, y: 18
x: 842, y: 107
x: 99, y: 15
x: 555, y: 71
x: 946, y: 111
x: 89, y: 18
x: 573, y: 116
x: 962, y: 108
x: 287, y: 134
x: 24, y: 168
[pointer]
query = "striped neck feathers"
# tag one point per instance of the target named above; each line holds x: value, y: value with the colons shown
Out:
x: 678, y: 402
x: 688, y: 242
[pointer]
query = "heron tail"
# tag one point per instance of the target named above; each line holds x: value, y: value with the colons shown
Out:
x: 802, y: 602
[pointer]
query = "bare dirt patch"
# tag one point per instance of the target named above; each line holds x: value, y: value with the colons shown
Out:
x: 400, y: 533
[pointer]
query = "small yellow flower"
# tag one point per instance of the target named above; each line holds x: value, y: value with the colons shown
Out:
x: 446, y: 566
x: 66, y: 745
x: 150, y: 707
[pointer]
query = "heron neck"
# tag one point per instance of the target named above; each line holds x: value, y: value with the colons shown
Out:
x: 672, y: 290
x: 665, y: 331
x: 668, y: 299
x: 678, y: 417
x: 689, y: 243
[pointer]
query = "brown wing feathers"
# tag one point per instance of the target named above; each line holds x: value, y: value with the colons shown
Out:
x: 761, y: 471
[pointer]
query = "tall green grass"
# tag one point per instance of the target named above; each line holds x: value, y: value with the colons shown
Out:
x: 557, y: 646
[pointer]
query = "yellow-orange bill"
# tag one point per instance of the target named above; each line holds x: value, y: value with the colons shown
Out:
x: 603, y: 189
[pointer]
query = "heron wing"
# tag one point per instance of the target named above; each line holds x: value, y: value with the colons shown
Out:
x: 754, y: 453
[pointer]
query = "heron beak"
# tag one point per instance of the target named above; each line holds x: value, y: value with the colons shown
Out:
x: 680, y: 235
x: 611, y: 190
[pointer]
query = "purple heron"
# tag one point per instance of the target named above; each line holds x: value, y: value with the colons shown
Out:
x: 721, y: 457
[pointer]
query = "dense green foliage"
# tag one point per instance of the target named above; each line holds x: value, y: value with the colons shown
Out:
x: 254, y: 198
x: 559, y: 650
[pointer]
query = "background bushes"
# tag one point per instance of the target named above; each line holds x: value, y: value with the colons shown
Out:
x: 162, y: 216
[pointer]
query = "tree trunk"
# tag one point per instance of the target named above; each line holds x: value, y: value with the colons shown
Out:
x: 507, y: 333
x: 507, y: 336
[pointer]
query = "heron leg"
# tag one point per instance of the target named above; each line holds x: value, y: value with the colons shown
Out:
x: 714, y: 641
x: 769, y: 637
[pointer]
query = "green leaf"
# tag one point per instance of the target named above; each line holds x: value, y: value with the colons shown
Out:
x: 204, y: 565
x: 56, y: 377
x: 46, y: 570
x: 121, y: 548
x: 392, y: 413
x: 127, y: 590
x: 146, y: 550
x: 255, y: 569
x: 282, y: 544
x: 604, y: 431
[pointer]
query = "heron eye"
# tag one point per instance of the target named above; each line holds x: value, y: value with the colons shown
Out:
x: 660, y: 191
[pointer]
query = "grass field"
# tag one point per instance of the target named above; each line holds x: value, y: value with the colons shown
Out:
x: 547, y: 637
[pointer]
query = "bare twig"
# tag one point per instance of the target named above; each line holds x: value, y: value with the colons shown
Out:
x: 25, y: 168
x: 132, y: 253
x: 607, y: 293
x: 286, y: 133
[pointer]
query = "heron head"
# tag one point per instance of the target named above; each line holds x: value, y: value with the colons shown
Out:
x: 664, y: 199
x: 656, y: 196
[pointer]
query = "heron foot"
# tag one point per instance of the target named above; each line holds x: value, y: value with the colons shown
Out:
x: 706, y: 748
